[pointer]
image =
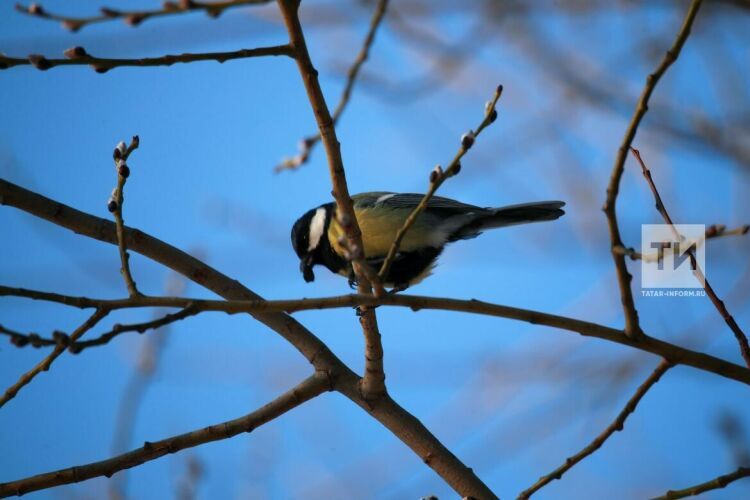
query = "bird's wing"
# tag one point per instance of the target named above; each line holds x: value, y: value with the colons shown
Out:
x: 409, y: 201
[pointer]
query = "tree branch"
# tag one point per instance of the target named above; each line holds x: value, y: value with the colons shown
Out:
x: 712, y: 231
x: 714, y: 484
x: 121, y: 155
x: 45, y: 364
x: 402, y: 424
x: 373, y: 383
x: 624, y: 278
x: 306, y: 390
x: 308, y: 143
x: 21, y: 339
x: 715, y: 300
x: 77, y: 56
x: 671, y: 352
x: 135, y: 17
x: 615, y: 426
x: 437, y: 177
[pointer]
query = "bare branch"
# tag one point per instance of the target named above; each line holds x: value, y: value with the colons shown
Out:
x: 624, y: 278
x: 712, y: 231
x: 697, y: 271
x: 135, y: 17
x: 670, y: 352
x: 373, y: 383
x: 77, y: 56
x: 306, y: 390
x: 45, y: 364
x: 714, y: 484
x: 615, y: 426
x: 121, y: 156
x: 308, y: 143
x: 22, y: 339
x: 400, y: 422
x: 437, y: 177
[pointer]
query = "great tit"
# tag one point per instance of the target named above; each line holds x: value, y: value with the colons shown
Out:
x: 317, y: 235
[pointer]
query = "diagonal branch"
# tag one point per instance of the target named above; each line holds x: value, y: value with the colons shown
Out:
x: 697, y: 271
x: 373, y: 382
x: 714, y: 484
x: 45, y: 364
x: 437, y: 177
x: 121, y: 155
x: 671, y: 352
x: 77, y: 56
x: 400, y: 422
x: 306, y: 390
x: 308, y: 143
x: 135, y: 17
x: 616, y: 425
x: 624, y: 278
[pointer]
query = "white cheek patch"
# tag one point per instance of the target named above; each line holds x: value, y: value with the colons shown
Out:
x: 317, y: 224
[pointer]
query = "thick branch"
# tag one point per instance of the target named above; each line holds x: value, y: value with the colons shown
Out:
x: 44, y: 365
x: 714, y: 484
x: 135, y: 17
x: 615, y: 426
x: 304, y: 391
x: 624, y: 278
x: 373, y: 383
x: 77, y: 56
x: 308, y: 143
x: 402, y: 424
x: 673, y: 353
x: 437, y: 177
x: 697, y: 271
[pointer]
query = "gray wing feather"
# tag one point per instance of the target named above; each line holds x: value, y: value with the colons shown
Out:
x: 409, y: 201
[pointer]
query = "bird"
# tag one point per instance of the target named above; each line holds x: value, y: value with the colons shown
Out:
x: 318, y: 236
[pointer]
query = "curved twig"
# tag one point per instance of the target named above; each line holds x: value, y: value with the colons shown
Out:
x: 624, y: 278
x: 308, y: 143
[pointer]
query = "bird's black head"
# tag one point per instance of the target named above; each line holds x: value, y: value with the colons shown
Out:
x: 308, y: 235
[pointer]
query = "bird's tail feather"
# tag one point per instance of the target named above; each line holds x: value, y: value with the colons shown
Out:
x: 511, y: 215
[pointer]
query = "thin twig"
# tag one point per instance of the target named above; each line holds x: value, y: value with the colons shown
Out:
x: 712, y: 231
x: 373, y: 382
x: 77, y: 56
x: 23, y: 339
x: 306, y: 390
x: 624, y: 278
x: 135, y: 17
x: 408, y: 429
x: 714, y: 484
x: 437, y: 177
x: 308, y: 143
x: 615, y: 426
x: 671, y: 352
x: 697, y: 271
x: 45, y: 364
x: 121, y: 156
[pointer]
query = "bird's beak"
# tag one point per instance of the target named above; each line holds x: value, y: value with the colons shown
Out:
x: 306, y: 265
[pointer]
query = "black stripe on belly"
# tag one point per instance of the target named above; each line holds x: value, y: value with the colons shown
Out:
x: 408, y: 265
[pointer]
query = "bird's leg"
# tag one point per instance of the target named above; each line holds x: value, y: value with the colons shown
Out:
x: 353, y: 283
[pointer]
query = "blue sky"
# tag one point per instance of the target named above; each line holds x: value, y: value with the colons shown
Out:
x: 512, y: 400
